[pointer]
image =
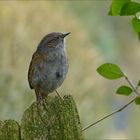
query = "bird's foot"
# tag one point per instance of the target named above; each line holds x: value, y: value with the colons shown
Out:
x: 59, y: 95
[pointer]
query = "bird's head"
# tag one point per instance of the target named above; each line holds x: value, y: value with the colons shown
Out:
x: 53, y: 40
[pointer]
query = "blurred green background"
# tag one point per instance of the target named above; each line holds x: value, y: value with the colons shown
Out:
x: 95, y: 38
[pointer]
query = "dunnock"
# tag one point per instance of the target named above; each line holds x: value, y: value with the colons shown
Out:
x: 49, y: 65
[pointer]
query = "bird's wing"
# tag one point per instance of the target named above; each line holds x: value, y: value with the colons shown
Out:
x: 36, y: 62
x: 31, y: 70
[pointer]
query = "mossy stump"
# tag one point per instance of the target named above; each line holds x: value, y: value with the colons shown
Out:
x: 53, y: 119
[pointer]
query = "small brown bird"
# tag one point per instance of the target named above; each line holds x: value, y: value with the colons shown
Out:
x: 49, y: 65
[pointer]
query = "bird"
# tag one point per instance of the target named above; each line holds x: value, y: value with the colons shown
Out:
x: 49, y: 65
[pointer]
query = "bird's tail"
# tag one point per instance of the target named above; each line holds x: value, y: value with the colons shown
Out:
x: 39, y: 97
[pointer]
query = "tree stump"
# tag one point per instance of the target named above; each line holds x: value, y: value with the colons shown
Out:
x: 52, y: 119
x: 9, y: 130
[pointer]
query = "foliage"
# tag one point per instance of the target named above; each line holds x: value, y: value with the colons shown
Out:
x: 112, y: 71
x: 137, y: 101
x: 124, y: 90
x: 127, y: 8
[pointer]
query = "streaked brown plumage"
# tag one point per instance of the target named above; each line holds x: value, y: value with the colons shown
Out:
x: 49, y: 66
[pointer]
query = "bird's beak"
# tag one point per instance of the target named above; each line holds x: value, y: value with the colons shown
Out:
x: 65, y: 34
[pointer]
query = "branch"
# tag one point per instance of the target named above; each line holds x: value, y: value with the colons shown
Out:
x: 132, y: 85
x: 119, y: 110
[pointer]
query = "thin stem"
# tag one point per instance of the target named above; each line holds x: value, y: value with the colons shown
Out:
x: 119, y: 110
x: 132, y: 85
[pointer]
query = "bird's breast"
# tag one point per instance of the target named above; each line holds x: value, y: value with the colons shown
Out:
x: 56, y: 68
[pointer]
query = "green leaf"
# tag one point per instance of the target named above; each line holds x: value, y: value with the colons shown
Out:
x: 110, y: 71
x: 137, y: 101
x: 116, y: 7
x: 136, y: 24
x: 139, y: 35
x: 124, y: 90
x: 138, y: 83
x: 130, y: 8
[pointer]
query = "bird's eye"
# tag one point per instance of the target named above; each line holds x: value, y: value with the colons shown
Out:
x: 56, y: 38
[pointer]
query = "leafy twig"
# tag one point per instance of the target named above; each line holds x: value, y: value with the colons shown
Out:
x: 112, y: 72
x: 132, y: 86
